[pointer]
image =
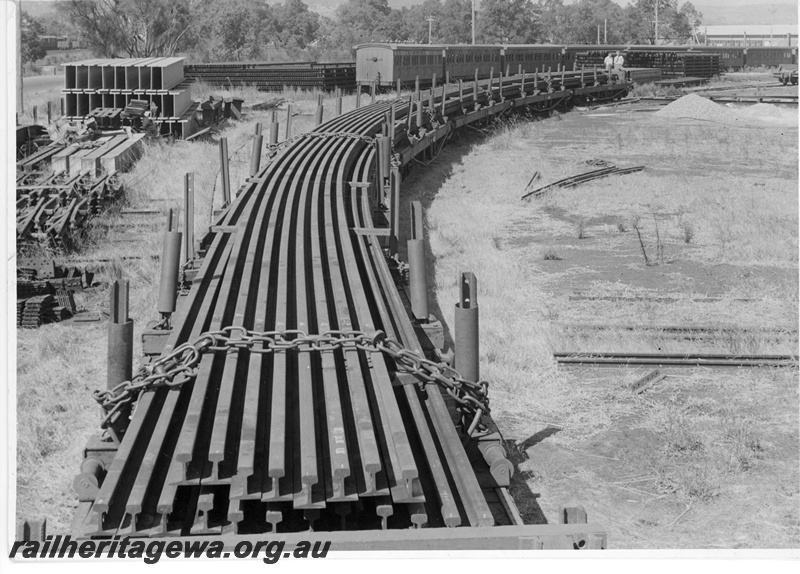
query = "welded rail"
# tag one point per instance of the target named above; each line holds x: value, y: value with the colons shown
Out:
x: 326, y: 438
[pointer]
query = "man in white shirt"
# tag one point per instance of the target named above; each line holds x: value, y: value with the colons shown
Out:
x: 619, y: 61
x: 609, y: 62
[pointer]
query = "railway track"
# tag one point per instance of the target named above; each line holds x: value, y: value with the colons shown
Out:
x: 294, y: 413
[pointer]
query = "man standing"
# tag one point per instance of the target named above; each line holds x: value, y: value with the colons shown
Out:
x: 619, y: 61
x: 609, y: 63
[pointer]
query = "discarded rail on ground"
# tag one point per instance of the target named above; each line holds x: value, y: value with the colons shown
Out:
x: 676, y: 359
x: 288, y: 388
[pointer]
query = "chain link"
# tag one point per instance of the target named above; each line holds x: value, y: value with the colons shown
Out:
x: 182, y: 363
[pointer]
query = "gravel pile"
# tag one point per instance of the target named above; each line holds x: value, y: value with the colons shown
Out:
x: 696, y: 107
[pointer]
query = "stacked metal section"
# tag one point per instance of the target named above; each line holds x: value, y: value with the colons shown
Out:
x: 112, y: 83
x: 275, y: 77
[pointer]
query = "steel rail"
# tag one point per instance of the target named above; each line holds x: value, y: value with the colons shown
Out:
x: 699, y: 360
x: 292, y: 440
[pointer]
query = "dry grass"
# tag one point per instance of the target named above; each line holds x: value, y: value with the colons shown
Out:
x: 684, y: 464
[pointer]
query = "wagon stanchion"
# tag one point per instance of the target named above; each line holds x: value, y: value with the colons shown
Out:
x: 417, y: 277
x: 49, y: 112
x: 416, y: 84
x: 61, y: 102
x: 339, y: 104
x: 358, y: 96
x: 466, y: 327
x: 35, y: 115
x: 120, y: 350
x: 225, y: 171
x: 318, y: 115
x: 188, y: 217
x: 374, y: 91
x: 170, y: 266
x: 394, y: 193
x: 259, y: 128
x: 255, y: 157
x: 273, y: 132
x: 288, y: 122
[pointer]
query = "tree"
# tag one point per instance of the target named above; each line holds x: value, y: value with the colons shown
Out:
x: 360, y: 21
x: 32, y: 48
x: 137, y: 28
x: 295, y: 25
x: 509, y: 21
x: 673, y: 25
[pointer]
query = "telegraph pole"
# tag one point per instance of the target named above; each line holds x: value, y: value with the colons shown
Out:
x: 430, y: 20
x: 20, y: 104
x: 656, y: 42
x: 473, y: 22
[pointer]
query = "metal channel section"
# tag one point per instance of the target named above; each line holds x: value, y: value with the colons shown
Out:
x: 328, y: 440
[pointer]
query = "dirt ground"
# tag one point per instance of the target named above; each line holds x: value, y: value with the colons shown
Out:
x: 707, y: 458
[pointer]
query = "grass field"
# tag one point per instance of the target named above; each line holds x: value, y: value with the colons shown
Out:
x: 709, y: 457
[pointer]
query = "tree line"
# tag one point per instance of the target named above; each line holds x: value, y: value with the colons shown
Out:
x: 237, y: 30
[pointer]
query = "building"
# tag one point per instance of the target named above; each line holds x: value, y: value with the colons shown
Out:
x: 750, y: 35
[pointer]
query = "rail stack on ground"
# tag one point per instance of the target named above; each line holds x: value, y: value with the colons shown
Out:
x: 318, y: 437
x: 104, y: 87
x: 275, y: 77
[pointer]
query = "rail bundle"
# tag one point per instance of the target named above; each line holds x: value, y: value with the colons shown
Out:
x: 275, y: 77
x: 292, y: 392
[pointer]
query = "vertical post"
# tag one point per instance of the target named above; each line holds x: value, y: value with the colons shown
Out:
x: 394, y: 190
x: 446, y: 77
x: 419, y: 114
x: 605, y: 30
x: 61, y: 100
x: 522, y: 83
x: 384, y: 160
x: 392, y: 120
x: 120, y: 336
x: 318, y: 115
x: 273, y: 132
x: 431, y: 101
x: 500, y: 82
x: 49, y: 112
x: 226, y: 176
x: 416, y: 84
x: 410, y: 112
x: 461, y: 92
x: 536, y: 81
x: 475, y: 90
x: 374, y: 90
x: 508, y: 69
x: 35, y: 115
x: 519, y: 69
x: 433, y: 83
x: 339, y: 105
x: 397, y: 90
x: 255, y: 156
x: 188, y: 217
x: 358, y: 97
x: 120, y: 351
x: 444, y: 98
x: 288, y: 122
x: 563, y: 74
x: 170, y: 265
x: 259, y: 128
x: 417, y: 278
x: 467, y: 357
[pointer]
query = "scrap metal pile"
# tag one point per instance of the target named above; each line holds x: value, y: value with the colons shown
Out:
x: 292, y: 393
x: 45, y: 291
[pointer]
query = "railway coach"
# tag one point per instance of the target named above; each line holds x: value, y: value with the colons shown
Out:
x: 385, y: 64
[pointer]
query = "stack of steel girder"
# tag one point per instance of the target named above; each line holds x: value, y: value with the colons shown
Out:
x: 108, y: 84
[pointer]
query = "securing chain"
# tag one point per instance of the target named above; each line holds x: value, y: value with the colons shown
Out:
x: 182, y: 363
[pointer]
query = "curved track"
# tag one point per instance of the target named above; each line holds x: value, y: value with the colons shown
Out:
x: 328, y: 439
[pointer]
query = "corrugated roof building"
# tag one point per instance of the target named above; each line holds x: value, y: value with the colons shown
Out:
x: 750, y: 35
